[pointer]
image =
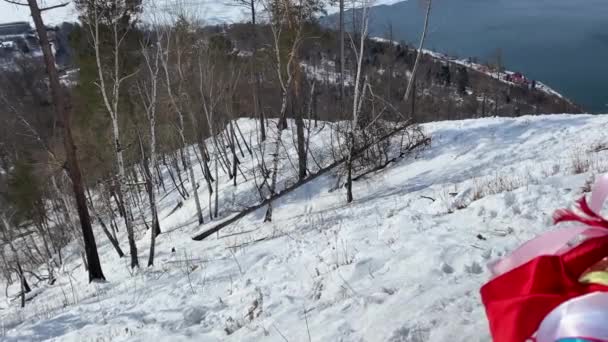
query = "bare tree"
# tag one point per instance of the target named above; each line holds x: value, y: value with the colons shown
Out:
x: 61, y: 104
x: 9, y: 238
x: 283, y: 16
x: 148, y: 91
x: 18, y: 108
x: 257, y: 98
x: 104, y: 227
x: 358, y: 96
x: 342, y: 59
x: 177, y: 50
x: 419, y: 53
x: 98, y: 16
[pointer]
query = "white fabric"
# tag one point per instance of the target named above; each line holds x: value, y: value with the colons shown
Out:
x: 585, y: 316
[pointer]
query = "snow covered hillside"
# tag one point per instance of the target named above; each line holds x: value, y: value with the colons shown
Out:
x: 403, y: 262
x: 504, y: 76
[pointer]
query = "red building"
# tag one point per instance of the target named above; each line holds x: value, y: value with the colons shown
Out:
x: 518, y: 78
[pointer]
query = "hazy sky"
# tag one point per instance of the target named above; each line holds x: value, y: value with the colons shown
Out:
x: 211, y: 10
x: 10, y: 12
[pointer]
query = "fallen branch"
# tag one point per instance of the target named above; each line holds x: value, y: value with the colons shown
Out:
x: 422, y: 142
x: 295, y: 186
x: 178, y: 261
x: 178, y: 206
x: 250, y: 242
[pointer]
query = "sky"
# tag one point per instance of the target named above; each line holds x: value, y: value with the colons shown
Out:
x: 211, y: 11
x: 10, y: 12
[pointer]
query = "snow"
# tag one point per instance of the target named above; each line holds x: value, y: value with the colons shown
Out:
x: 7, y: 44
x: 403, y: 262
x: 327, y: 73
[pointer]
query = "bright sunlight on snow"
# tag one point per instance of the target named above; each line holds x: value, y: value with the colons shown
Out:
x: 403, y: 262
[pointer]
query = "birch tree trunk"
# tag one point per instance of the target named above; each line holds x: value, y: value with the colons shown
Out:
x: 422, y: 39
x: 342, y: 59
x: 149, y: 96
x: 357, y: 103
x: 180, y: 117
x: 301, y: 142
x: 276, y: 26
x: 256, y: 74
x: 111, y: 102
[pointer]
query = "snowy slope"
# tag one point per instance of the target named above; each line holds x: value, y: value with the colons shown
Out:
x: 404, y: 262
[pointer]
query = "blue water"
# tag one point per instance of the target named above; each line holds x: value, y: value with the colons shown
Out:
x: 563, y: 43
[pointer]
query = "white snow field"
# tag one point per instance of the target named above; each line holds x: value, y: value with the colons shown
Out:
x: 403, y: 262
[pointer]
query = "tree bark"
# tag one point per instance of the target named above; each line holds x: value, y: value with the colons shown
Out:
x: 419, y: 54
x: 232, y: 145
x: 8, y: 236
x: 342, y: 59
x: 358, y: 97
x: 105, y: 229
x: 301, y: 142
x: 217, y: 189
x: 63, y: 109
x: 257, y: 98
x: 199, y: 211
x: 151, y: 195
x: 178, y: 171
x: 112, y: 107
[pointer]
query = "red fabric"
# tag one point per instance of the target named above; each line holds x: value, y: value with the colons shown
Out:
x: 517, y: 301
x: 588, y: 216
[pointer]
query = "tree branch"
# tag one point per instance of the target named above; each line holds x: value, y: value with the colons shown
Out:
x: 52, y: 7
x: 16, y: 3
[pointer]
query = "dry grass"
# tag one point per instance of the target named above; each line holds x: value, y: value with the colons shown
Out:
x: 580, y: 162
x: 498, y: 184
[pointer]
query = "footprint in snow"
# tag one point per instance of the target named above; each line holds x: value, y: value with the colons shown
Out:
x: 474, y: 268
x: 447, y: 269
x: 410, y: 334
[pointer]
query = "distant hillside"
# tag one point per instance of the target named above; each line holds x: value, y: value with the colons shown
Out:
x: 446, y: 88
x: 529, y: 36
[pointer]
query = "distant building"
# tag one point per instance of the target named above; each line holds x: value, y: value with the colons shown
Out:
x: 15, y: 29
x: 20, y: 37
x: 517, y: 78
x: 17, y: 36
